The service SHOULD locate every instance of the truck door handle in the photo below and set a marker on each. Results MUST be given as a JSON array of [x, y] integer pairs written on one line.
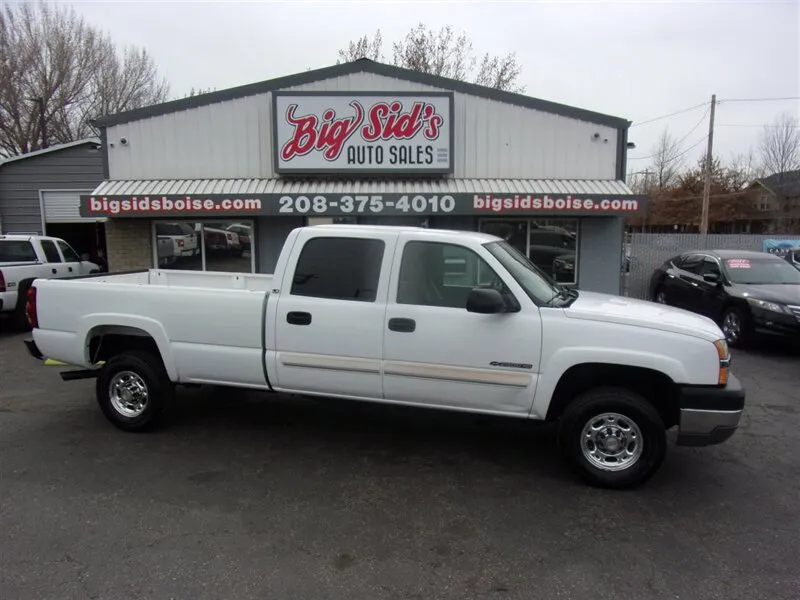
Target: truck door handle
[[70, 269], [402, 325], [55, 270], [298, 318]]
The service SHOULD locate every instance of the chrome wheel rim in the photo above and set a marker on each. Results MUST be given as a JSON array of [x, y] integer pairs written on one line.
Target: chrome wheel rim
[[611, 442], [732, 326], [661, 297], [128, 393]]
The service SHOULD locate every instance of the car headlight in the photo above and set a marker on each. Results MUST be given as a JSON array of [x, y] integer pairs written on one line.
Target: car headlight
[[773, 306]]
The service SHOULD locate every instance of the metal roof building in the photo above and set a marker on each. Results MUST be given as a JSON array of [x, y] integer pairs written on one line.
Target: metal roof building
[[362, 142]]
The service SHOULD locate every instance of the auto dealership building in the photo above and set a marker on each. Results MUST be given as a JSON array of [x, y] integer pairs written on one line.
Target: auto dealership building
[[217, 181]]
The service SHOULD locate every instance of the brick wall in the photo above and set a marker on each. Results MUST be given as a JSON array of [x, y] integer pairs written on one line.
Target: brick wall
[[128, 242]]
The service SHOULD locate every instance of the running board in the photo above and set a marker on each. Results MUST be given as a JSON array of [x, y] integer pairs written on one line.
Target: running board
[[80, 374]]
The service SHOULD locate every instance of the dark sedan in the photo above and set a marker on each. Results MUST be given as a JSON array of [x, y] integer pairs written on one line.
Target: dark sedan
[[744, 292]]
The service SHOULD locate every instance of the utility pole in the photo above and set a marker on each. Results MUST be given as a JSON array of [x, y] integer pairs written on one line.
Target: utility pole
[[707, 186]]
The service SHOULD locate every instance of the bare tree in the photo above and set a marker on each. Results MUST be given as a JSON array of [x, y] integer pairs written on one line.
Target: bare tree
[[744, 168], [780, 145], [52, 58], [362, 48], [667, 163], [441, 53]]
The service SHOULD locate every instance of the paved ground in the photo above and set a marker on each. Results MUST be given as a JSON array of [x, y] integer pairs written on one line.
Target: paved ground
[[242, 497]]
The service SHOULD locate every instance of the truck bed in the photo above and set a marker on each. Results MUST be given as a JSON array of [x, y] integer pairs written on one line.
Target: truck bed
[[207, 324]]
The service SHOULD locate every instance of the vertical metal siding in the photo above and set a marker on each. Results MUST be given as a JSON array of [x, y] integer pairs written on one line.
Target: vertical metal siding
[[234, 139], [79, 167]]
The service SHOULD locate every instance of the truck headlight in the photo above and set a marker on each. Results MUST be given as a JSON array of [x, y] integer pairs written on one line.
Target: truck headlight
[[724, 361], [772, 306]]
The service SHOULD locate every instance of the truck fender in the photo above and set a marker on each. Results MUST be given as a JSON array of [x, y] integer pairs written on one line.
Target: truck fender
[[150, 326], [557, 364]]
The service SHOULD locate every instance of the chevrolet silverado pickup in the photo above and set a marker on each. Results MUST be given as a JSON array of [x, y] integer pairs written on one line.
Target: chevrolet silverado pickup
[[24, 258], [449, 320]]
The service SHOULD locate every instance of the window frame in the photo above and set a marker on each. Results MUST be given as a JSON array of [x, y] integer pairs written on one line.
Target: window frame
[[544, 222], [290, 275], [507, 292], [60, 260], [59, 243], [191, 222]]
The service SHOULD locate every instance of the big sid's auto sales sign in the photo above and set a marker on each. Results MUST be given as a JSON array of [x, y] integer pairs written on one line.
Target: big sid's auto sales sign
[[361, 132]]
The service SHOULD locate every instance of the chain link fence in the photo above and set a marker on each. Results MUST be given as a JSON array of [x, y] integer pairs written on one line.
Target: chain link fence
[[647, 251]]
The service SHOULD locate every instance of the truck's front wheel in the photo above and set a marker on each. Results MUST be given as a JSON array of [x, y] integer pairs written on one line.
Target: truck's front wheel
[[132, 389], [614, 437]]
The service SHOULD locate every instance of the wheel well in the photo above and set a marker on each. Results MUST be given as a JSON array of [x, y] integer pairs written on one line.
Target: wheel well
[[109, 340], [655, 386]]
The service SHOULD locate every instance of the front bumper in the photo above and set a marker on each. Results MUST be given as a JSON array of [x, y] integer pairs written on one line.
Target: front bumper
[[770, 322], [710, 414]]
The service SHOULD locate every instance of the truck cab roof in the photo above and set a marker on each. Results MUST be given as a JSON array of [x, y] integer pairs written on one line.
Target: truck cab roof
[[481, 238]]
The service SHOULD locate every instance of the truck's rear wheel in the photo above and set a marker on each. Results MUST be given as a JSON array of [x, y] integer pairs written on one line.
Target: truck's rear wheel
[[132, 390], [614, 437]]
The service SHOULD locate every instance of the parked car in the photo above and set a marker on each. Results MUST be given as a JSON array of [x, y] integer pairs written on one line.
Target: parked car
[[24, 258], [372, 313], [245, 234], [183, 237], [220, 241], [746, 293]]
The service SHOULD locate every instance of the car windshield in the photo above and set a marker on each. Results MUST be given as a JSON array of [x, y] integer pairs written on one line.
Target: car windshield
[[539, 287], [16, 251], [761, 271]]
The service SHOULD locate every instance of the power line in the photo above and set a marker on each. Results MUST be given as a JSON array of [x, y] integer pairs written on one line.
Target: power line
[[692, 130], [692, 147], [759, 99], [752, 125], [677, 112]]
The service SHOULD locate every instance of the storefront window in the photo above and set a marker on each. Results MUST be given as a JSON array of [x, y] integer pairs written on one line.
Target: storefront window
[[205, 245], [550, 244]]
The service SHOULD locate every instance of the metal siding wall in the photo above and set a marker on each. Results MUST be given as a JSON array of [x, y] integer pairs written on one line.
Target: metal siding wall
[[79, 167], [270, 235], [64, 207], [649, 250], [600, 254], [233, 139]]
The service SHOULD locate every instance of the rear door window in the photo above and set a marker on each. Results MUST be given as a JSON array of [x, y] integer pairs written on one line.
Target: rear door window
[[51, 252], [16, 251]]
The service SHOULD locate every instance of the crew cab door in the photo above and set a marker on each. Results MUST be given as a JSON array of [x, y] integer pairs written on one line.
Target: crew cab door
[[55, 264], [438, 354], [329, 317]]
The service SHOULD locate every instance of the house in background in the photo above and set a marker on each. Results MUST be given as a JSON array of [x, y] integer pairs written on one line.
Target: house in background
[[40, 194], [776, 203]]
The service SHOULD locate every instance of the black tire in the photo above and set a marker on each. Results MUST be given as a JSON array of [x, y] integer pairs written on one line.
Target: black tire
[[633, 409], [731, 315], [20, 316], [657, 292], [145, 369]]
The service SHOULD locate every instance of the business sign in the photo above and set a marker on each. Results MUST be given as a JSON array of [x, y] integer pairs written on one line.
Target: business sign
[[362, 132], [780, 247], [355, 204]]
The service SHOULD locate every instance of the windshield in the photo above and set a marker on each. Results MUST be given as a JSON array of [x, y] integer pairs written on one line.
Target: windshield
[[539, 287], [16, 251], [761, 271]]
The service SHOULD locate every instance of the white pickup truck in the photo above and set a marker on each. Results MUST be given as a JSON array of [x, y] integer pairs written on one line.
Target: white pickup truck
[[25, 257], [409, 316]]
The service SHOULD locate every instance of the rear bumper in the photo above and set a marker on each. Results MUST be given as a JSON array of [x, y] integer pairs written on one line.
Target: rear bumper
[[710, 414], [33, 349]]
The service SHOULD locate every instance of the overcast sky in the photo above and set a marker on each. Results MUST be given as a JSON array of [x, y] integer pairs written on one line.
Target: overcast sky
[[638, 59]]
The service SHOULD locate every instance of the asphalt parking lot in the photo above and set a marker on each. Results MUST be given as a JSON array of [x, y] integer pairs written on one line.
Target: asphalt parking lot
[[244, 496]]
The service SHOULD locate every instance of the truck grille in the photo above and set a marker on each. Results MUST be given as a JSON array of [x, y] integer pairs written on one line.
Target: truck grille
[[795, 311]]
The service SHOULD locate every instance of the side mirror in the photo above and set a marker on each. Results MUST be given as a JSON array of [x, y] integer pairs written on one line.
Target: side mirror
[[711, 277], [485, 301]]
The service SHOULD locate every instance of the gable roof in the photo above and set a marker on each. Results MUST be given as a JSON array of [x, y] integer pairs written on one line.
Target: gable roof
[[56, 148], [783, 184], [362, 65]]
